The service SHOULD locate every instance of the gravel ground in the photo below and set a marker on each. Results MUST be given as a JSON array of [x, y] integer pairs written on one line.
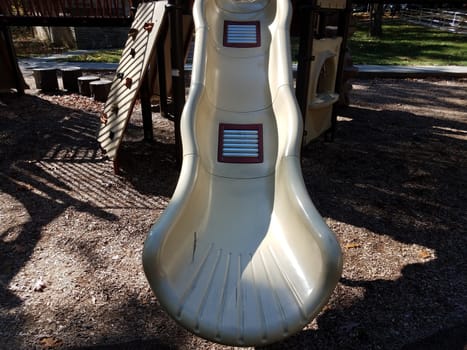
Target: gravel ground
[[392, 186]]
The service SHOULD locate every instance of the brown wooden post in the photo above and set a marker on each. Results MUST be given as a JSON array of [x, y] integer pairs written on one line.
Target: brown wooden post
[[43, 8], [61, 8], [92, 9], [19, 82], [145, 96], [161, 69], [178, 69], [343, 31], [66, 7], [124, 7], [305, 53]]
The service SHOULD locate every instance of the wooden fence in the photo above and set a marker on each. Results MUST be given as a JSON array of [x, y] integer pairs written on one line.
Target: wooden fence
[[453, 21], [66, 12]]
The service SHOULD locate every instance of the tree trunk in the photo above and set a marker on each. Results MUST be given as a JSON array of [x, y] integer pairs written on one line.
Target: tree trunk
[[376, 19], [60, 36]]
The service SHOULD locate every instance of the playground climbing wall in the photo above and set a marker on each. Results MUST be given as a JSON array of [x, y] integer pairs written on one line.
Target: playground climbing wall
[[133, 65]]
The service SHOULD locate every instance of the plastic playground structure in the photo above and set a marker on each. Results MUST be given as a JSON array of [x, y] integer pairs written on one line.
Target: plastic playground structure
[[241, 256]]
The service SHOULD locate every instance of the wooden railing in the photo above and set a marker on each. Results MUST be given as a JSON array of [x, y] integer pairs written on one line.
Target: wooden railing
[[47, 8], [453, 21], [63, 12]]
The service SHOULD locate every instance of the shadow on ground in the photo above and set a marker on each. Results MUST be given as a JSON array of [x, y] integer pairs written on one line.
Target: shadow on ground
[[50, 168], [397, 175]]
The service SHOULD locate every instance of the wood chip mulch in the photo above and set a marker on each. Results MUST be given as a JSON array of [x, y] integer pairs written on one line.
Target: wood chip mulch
[[392, 185]]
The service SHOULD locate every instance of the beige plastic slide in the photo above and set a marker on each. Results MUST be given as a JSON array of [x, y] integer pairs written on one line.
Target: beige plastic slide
[[241, 256]]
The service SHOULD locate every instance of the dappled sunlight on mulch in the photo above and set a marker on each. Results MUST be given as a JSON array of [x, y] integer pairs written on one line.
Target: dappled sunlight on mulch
[[392, 186]]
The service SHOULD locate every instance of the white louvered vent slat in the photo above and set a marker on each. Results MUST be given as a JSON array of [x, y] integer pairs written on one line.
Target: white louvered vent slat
[[240, 143], [238, 34], [241, 34]]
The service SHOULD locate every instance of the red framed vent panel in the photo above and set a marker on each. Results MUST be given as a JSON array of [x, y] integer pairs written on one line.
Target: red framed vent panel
[[240, 143], [242, 34]]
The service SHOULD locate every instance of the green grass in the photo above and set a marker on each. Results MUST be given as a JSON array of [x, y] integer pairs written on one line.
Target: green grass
[[401, 44], [103, 56], [408, 44]]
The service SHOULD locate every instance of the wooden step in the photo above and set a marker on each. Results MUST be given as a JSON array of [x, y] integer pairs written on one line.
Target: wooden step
[[46, 79], [100, 89], [83, 84], [70, 77]]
